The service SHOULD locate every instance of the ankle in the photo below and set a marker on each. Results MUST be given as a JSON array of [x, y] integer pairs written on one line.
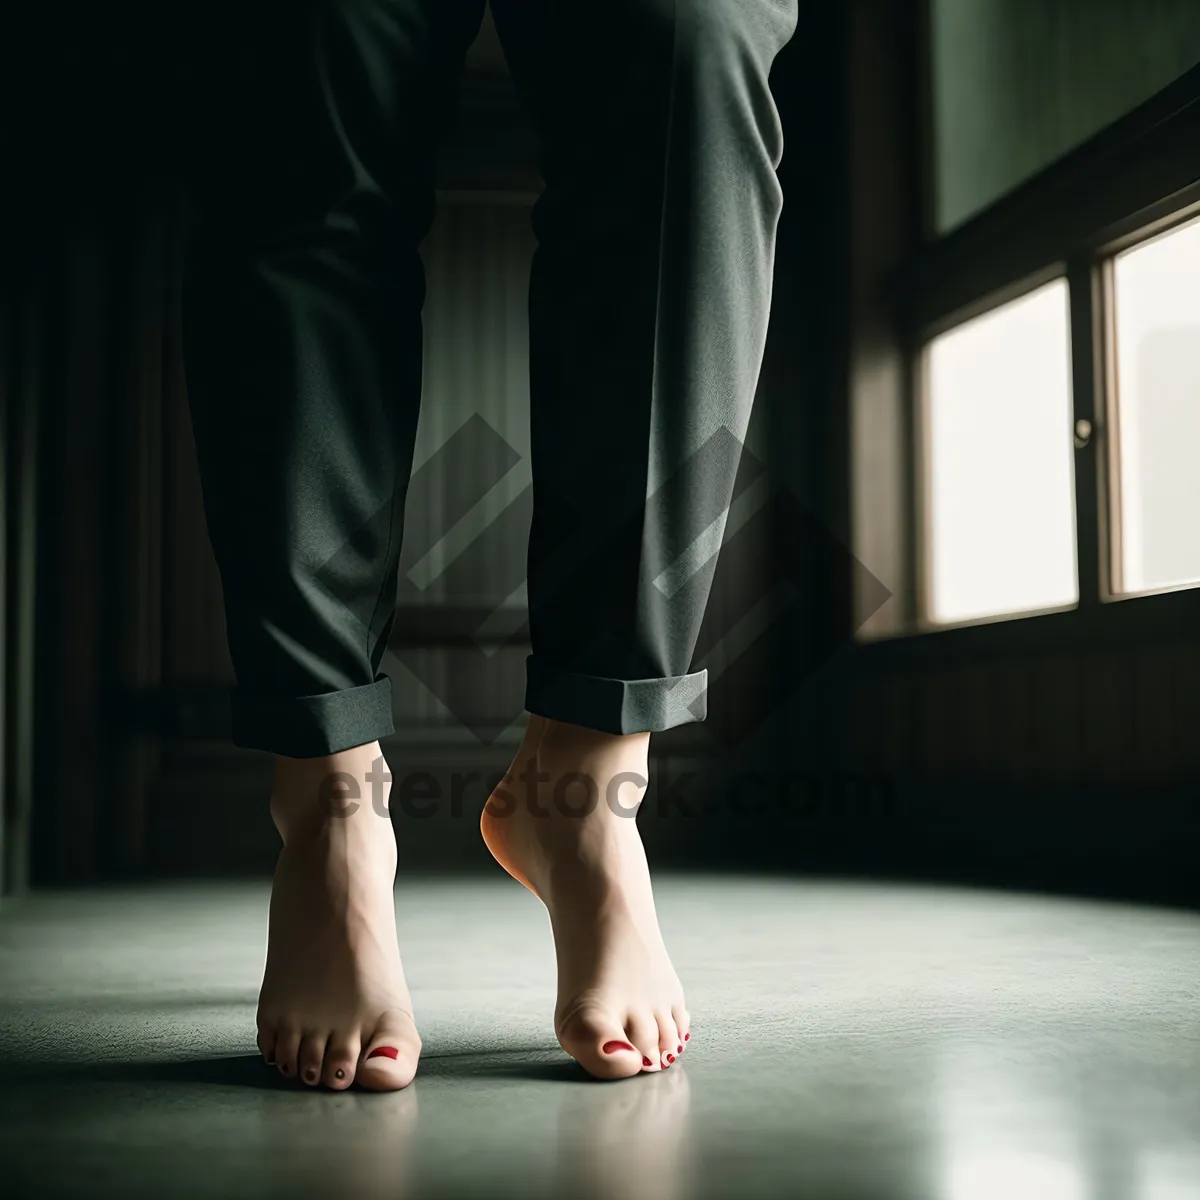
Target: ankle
[[589, 773], [309, 792], [561, 740]]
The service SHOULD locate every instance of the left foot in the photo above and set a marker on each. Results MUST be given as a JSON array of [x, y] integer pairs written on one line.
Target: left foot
[[620, 1006], [334, 1007]]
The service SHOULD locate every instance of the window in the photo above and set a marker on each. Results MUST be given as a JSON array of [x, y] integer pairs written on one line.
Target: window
[[1000, 494], [1156, 325], [1025, 360]]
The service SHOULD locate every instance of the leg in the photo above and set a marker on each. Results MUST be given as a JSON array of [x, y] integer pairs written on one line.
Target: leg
[[303, 338], [649, 304]]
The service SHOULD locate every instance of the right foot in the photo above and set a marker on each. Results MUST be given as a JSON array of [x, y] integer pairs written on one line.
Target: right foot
[[334, 1006], [620, 1008]]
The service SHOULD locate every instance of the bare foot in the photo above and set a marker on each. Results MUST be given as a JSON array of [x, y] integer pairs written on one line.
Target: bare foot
[[562, 823], [334, 1006]]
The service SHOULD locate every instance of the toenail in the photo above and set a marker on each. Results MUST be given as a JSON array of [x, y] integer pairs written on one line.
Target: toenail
[[646, 1062], [678, 1049], [286, 1069], [339, 1074], [686, 1036], [670, 1058], [310, 1075], [613, 1047], [385, 1052]]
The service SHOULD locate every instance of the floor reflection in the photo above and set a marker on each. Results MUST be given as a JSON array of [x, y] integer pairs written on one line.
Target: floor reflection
[[337, 1143], [627, 1139]]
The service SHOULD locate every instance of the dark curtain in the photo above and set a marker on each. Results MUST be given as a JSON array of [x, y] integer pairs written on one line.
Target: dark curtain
[[91, 311], [104, 107]]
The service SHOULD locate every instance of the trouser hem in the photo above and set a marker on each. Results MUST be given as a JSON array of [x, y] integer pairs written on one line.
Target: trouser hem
[[615, 705], [311, 726]]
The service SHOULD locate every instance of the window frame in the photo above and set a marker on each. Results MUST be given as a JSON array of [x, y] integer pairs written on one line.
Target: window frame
[[1137, 177]]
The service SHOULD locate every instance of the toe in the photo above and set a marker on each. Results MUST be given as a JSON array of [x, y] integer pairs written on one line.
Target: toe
[[311, 1057], [683, 1022], [389, 1060], [287, 1050], [599, 1045], [642, 1031], [266, 1043], [670, 1041], [341, 1058]]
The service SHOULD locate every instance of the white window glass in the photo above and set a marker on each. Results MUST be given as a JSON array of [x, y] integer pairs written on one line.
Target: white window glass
[[1157, 319], [1000, 446]]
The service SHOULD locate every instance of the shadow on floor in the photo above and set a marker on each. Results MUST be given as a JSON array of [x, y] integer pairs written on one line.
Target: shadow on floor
[[535, 1064]]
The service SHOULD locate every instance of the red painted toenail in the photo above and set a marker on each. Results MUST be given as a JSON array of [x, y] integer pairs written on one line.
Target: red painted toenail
[[310, 1075], [386, 1051], [678, 1049], [686, 1036], [646, 1062], [670, 1058], [613, 1047]]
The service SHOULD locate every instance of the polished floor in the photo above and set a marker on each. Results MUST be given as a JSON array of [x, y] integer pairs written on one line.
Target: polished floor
[[850, 1041]]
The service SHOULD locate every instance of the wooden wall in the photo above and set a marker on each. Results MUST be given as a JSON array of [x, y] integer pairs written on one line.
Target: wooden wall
[[1104, 718]]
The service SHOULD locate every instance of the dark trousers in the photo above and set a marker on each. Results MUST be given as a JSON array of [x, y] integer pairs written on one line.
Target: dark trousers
[[649, 299]]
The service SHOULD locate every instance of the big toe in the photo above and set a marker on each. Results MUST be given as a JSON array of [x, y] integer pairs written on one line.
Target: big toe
[[389, 1059], [599, 1044]]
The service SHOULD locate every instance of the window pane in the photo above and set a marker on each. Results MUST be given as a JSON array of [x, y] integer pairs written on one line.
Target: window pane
[[1016, 85], [1001, 482], [1158, 410]]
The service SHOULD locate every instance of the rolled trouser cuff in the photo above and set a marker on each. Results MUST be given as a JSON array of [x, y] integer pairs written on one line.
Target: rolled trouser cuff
[[615, 705], [310, 726]]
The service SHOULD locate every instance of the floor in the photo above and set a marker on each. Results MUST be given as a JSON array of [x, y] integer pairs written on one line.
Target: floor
[[850, 1041]]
